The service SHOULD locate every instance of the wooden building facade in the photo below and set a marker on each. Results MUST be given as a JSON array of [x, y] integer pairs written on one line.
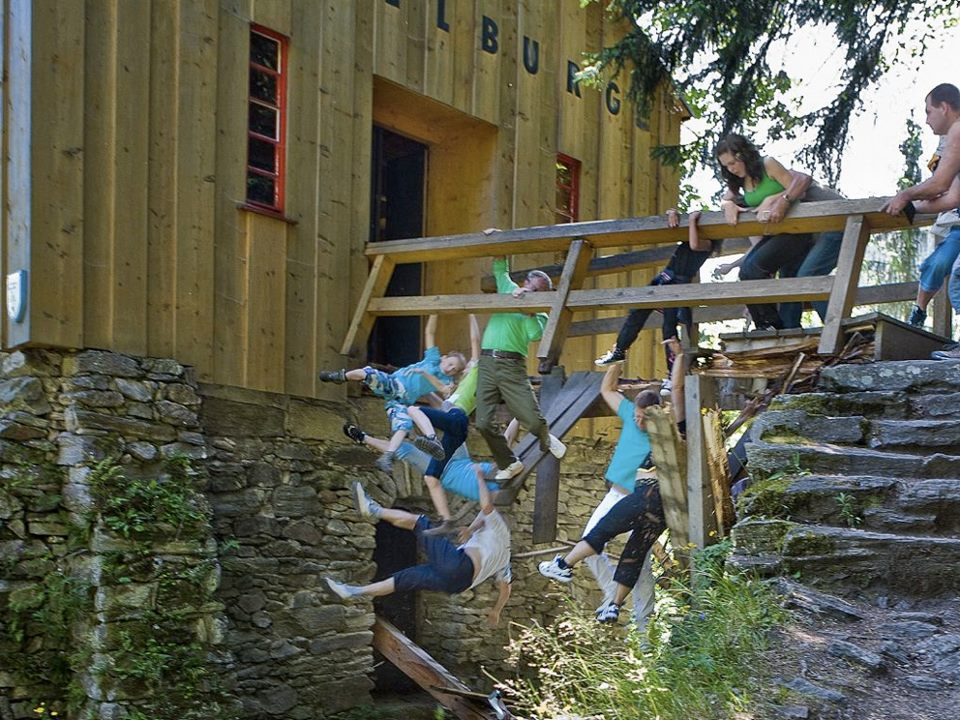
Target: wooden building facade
[[197, 179]]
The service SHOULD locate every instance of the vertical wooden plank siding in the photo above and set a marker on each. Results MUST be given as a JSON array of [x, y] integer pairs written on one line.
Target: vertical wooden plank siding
[[100, 181], [304, 187], [162, 196], [56, 141], [231, 261], [266, 250], [132, 92], [138, 169], [196, 130]]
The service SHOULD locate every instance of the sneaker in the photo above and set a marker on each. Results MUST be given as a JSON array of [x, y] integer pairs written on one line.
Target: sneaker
[[557, 448], [552, 569], [354, 433], [946, 354], [342, 590], [365, 505], [430, 445], [385, 462], [609, 613], [917, 316], [333, 376], [613, 356], [510, 471]]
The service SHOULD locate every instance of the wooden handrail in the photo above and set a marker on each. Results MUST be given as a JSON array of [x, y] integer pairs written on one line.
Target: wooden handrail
[[653, 230]]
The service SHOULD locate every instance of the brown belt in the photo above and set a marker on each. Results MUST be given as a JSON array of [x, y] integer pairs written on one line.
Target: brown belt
[[503, 354]]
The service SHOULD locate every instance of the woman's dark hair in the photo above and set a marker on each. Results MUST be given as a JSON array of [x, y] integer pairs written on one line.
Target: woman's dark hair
[[945, 93], [741, 149], [647, 398]]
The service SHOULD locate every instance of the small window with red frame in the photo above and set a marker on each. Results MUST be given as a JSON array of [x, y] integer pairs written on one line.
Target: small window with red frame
[[266, 119], [568, 190]]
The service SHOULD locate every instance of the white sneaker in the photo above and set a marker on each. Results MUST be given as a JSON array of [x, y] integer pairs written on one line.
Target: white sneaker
[[342, 590], [510, 471], [557, 448], [609, 613], [365, 505], [551, 569]]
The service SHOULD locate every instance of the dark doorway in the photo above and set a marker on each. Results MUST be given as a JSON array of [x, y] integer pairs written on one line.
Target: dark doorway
[[396, 212], [396, 549]]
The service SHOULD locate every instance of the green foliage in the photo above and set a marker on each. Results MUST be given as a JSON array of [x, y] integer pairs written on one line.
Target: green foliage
[[689, 664], [170, 504], [847, 504], [716, 56]]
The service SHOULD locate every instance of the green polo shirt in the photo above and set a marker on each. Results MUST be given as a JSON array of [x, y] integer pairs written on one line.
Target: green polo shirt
[[511, 331]]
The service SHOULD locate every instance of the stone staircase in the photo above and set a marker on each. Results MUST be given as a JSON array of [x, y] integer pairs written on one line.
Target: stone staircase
[[857, 487]]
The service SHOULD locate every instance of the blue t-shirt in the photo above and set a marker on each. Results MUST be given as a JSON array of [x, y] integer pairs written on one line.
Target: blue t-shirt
[[632, 449], [414, 384]]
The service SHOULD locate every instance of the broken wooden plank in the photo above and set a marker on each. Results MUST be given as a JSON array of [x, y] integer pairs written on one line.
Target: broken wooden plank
[[719, 470], [855, 238], [803, 218], [416, 663], [670, 458], [547, 493]]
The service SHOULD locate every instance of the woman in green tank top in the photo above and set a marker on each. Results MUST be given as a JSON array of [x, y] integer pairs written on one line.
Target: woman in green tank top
[[769, 188]]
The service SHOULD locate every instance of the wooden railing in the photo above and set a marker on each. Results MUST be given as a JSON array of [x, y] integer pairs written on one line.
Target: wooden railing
[[856, 218]]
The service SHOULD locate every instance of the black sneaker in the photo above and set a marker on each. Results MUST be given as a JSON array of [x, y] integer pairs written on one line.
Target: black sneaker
[[354, 433], [333, 376], [612, 356], [430, 445], [917, 316]]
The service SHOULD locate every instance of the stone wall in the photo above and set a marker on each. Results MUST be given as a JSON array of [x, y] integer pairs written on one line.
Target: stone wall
[[277, 472], [86, 587]]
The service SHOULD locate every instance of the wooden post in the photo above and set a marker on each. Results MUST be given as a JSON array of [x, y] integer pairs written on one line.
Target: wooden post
[[547, 494], [362, 321], [700, 393], [574, 272], [845, 282], [942, 315]]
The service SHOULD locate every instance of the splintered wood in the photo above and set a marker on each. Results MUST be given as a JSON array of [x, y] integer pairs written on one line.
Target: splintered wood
[[714, 436], [777, 361]]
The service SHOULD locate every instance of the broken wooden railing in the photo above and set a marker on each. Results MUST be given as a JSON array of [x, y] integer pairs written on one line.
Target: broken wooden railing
[[856, 218]]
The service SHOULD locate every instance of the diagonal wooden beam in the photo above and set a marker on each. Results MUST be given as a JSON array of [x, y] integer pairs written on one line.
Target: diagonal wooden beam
[[554, 335], [419, 666], [855, 238], [362, 322]]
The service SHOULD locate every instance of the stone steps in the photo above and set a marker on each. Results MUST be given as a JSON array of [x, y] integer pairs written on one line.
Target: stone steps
[[857, 486], [766, 458], [918, 506], [849, 559]]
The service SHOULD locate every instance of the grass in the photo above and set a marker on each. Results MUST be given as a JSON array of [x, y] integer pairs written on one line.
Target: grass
[[693, 661]]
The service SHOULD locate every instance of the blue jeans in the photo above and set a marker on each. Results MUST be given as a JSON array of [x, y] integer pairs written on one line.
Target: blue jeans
[[821, 260], [774, 253], [955, 281], [448, 568], [938, 264], [454, 424]]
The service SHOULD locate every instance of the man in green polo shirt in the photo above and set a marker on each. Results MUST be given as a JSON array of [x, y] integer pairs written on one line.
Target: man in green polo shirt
[[502, 372]]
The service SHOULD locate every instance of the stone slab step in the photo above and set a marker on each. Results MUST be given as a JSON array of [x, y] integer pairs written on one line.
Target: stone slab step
[[832, 459], [924, 376], [928, 507], [797, 425], [844, 558]]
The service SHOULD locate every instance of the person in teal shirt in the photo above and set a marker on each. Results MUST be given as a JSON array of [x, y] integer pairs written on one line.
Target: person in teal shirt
[[502, 372]]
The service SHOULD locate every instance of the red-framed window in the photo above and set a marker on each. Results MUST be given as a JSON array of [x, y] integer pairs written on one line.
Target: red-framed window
[[567, 208], [266, 119]]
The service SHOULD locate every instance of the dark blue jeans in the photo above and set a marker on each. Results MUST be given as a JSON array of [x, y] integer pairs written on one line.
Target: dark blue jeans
[[454, 424], [448, 568], [821, 260]]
